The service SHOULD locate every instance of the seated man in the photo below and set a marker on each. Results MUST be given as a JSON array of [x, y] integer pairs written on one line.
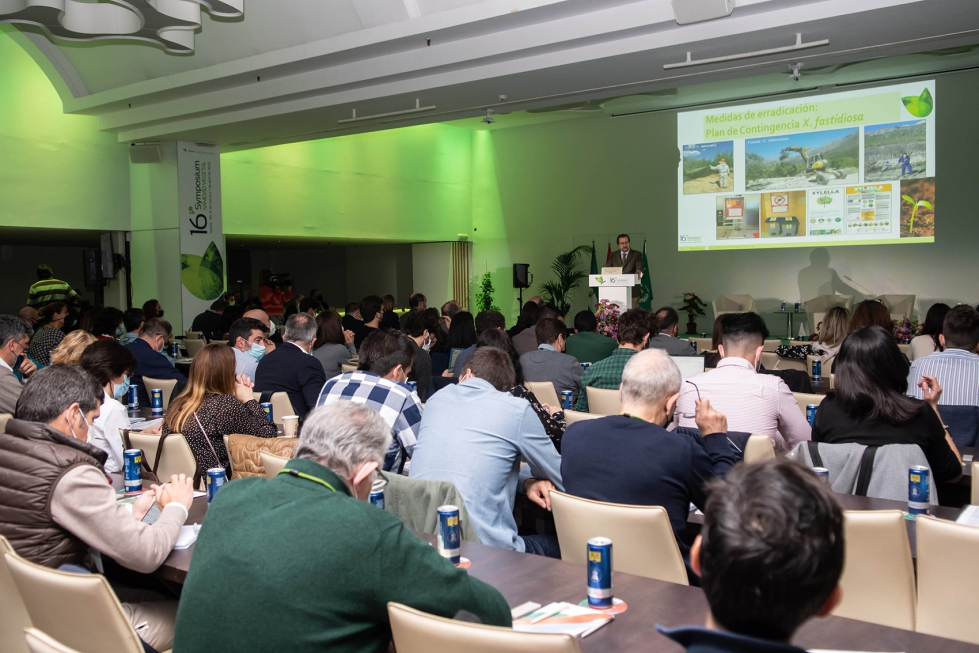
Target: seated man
[[372, 310], [475, 434], [752, 402], [291, 368], [133, 320], [632, 459], [421, 341], [635, 327], [526, 340], [322, 562], [770, 556], [56, 503], [417, 303], [149, 348], [247, 339], [587, 345], [351, 318], [485, 320], [209, 322], [380, 382], [956, 367], [669, 327], [548, 363], [15, 336]]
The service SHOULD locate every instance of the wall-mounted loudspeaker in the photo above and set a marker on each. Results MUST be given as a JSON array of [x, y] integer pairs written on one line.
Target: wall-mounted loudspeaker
[[697, 11], [92, 268], [520, 277], [145, 153]]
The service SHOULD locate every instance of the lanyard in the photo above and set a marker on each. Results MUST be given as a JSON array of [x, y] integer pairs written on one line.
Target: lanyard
[[308, 477], [631, 416]]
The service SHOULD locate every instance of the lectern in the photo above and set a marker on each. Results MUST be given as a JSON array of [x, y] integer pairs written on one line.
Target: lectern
[[617, 288]]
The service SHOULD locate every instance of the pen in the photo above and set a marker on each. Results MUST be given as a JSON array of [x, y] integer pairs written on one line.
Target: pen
[[597, 626], [550, 611]]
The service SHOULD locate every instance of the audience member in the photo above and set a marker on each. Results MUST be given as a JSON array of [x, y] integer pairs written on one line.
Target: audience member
[[475, 435], [69, 352], [390, 320], [323, 562], [263, 317], [712, 356], [15, 336], [57, 505], [869, 405], [632, 459], [152, 362], [292, 368], [274, 296], [88, 320], [291, 307], [927, 342], [231, 315], [317, 294], [871, 312], [421, 340], [151, 309], [635, 327], [462, 336], [668, 327], [485, 321], [247, 340], [752, 402], [334, 346], [770, 556], [352, 321], [253, 301], [48, 289], [310, 306], [209, 322], [956, 366], [109, 324], [214, 404], [832, 329], [30, 315], [50, 334], [587, 345], [526, 340], [449, 309], [549, 362], [132, 320], [372, 311], [110, 364], [526, 320], [416, 303], [435, 323], [380, 382]]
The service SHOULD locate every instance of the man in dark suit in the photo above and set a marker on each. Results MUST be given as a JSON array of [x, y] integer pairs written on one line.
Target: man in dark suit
[[209, 322], [291, 368], [416, 303], [629, 260], [666, 338], [152, 362]]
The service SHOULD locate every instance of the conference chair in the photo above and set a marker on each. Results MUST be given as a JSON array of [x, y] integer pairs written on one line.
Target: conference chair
[[38, 642], [817, 306], [733, 304], [771, 345], [281, 406], [4, 418], [219, 342], [878, 574], [772, 361], [805, 398], [193, 345], [947, 579], [898, 306], [165, 385], [13, 613], [975, 485], [603, 402], [176, 456], [79, 610], [417, 632], [572, 416], [273, 464], [643, 537], [193, 335], [545, 392], [904, 347], [758, 448], [348, 368]]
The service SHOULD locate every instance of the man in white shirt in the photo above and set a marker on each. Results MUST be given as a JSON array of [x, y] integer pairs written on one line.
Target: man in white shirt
[[957, 367], [722, 172], [15, 336], [247, 338]]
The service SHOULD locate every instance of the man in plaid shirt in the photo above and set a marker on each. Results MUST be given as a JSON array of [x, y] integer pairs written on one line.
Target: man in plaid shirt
[[381, 383], [634, 329]]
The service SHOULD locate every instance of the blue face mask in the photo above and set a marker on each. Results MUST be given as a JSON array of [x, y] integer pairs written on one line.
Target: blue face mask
[[257, 351], [122, 389], [120, 331]]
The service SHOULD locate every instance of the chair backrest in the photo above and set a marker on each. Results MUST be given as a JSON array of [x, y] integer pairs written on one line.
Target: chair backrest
[[603, 402], [963, 424], [193, 345], [878, 575], [642, 536], [38, 642], [769, 345], [193, 335], [817, 307], [4, 418], [273, 464], [703, 344], [219, 342], [832, 381], [975, 484], [733, 304], [13, 613], [258, 396], [281, 406], [947, 579], [899, 305], [545, 392], [805, 398], [773, 361], [572, 416], [348, 368], [177, 456], [245, 453], [759, 447], [416, 632], [166, 387], [79, 610]]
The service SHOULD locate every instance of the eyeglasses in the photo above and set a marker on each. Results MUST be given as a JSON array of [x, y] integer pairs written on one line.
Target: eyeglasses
[[694, 414]]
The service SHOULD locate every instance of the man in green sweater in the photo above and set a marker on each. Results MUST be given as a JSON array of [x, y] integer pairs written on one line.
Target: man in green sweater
[[587, 344], [303, 562]]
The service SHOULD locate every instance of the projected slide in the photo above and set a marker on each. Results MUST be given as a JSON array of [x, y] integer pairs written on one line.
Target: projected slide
[[851, 168]]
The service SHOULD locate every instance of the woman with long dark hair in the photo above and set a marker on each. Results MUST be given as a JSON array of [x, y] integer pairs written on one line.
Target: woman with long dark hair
[[927, 342], [462, 333], [870, 405], [333, 346], [527, 319]]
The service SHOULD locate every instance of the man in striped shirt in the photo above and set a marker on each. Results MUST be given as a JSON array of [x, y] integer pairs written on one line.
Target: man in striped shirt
[[49, 289], [957, 367]]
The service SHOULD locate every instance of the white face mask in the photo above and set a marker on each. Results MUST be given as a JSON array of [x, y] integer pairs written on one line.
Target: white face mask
[[427, 345], [88, 427]]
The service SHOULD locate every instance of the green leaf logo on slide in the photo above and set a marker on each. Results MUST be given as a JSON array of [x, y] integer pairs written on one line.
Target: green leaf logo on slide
[[920, 106], [203, 276]]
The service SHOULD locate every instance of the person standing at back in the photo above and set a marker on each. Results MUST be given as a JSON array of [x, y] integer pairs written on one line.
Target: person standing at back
[[669, 328], [587, 345], [292, 368], [956, 366], [48, 289]]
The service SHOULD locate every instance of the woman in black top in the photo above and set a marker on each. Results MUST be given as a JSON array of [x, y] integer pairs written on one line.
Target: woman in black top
[[870, 405]]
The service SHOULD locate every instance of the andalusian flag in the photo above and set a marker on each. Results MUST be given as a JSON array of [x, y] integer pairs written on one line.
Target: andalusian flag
[[646, 299], [594, 260]]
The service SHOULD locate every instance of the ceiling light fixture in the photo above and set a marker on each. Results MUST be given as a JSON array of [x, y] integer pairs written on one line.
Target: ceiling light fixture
[[796, 74], [418, 109], [489, 119]]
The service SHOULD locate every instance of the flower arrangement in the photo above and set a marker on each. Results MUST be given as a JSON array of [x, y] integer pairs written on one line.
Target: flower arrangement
[[904, 329], [608, 318]]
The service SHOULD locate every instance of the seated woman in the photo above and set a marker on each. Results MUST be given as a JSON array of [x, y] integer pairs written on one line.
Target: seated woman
[[69, 352], [712, 356], [870, 405], [111, 364], [333, 346], [927, 342], [216, 403], [49, 335], [871, 312], [832, 330]]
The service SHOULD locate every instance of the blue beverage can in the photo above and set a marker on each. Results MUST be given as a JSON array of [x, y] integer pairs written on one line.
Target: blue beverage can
[[267, 407], [817, 369], [132, 470], [783, 307], [585, 366], [703, 334], [377, 496], [156, 401], [200, 336], [449, 537], [413, 386], [600, 572], [134, 397], [918, 492], [215, 479], [822, 473], [811, 413], [693, 345], [175, 349], [797, 307], [566, 399]]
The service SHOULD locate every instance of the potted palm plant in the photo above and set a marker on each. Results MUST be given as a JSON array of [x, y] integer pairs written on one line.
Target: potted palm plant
[[692, 306], [569, 277]]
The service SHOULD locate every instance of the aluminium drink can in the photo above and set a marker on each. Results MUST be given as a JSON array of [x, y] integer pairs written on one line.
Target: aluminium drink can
[[822, 473], [600, 572], [918, 491], [585, 366], [156, 401], [817, 369], [413, 386], [175, 349], [267, 407], [811, 413], [566, 399], [783, 307], [215, 479], [693, 345], [134, 397], [377, 497], [132, 470], [797, 307], [449, 536]]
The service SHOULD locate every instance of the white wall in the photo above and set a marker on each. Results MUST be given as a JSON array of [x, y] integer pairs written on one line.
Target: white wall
[[432, 272]]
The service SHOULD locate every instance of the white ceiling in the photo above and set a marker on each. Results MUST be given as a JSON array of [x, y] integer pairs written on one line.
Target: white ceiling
[[290, 70]]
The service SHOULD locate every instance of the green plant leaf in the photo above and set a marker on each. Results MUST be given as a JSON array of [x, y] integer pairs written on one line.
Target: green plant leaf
[[907, 198], [920, 106], [926, 204], [203, 276]]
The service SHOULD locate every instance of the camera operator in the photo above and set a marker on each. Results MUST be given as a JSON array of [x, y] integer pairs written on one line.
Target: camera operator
[[275, 290]]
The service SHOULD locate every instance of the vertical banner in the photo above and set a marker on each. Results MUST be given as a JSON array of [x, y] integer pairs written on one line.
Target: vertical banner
[[202, 251]]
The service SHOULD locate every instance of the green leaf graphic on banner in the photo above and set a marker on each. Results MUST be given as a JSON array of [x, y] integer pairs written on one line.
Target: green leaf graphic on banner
[[920, 106], [203, 276]]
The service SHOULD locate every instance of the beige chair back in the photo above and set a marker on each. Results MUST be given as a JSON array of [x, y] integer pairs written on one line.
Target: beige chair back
[[38, 642], [832, 381], [257, 396], [348, 368], [4, 418], [878, 575], [642, 536], [773, 361], [806, 398], [703, 344], [177, 457], [572, 416], [603, 402], [193, 335], [273, 464], [13, 613], [545, 392], [166, 387], [416, 632], [193, 346], [975, 484], [281, 406], [817, 307], [898, 306], [904, 348], [733, 304], [79, 610], [770, 345], [947, 579], [219, 342], [759, 447]]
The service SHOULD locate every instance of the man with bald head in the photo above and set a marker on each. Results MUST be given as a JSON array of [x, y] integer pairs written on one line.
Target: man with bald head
[[263, 317], [29, 315]]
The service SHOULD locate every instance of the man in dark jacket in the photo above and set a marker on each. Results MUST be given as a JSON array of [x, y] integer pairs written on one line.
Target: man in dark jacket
[[209, 322], [291, 368], [153, 363]]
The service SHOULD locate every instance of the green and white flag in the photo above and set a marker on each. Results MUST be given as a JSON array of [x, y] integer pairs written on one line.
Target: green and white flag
[[646, 299]]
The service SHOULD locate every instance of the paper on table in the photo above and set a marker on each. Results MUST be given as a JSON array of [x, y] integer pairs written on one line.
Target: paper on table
[[198, 494], [187, 537], [969, 516], [144, 424], [822, 650], [572, 620]]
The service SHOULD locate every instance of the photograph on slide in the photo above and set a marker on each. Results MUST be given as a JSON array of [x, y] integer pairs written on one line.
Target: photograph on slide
[[783, 214], [737, 216], [802, 160], [708, 167], [918, 208], [895, 151]]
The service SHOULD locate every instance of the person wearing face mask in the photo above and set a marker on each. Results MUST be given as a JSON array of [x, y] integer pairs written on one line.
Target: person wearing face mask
[[292, 368], [632, 459], [109, 324], [753, 402], [246, 337], [111, 364], [56, 506], [334, 345], [273, 337], [50, 333], [421, 340], [152, 362], [15, 336]]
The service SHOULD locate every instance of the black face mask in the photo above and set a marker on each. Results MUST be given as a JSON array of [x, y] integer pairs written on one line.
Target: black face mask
[[19, 362], [160, 314]]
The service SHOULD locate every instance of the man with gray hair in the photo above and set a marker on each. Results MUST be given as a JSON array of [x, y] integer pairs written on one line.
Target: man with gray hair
[[292, 368], [632, 459], [15, 336], [322, 562]]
